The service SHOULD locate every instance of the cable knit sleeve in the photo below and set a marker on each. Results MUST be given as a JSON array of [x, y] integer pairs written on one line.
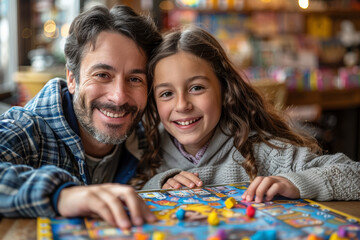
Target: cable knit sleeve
[[323, 178], [159, 179]]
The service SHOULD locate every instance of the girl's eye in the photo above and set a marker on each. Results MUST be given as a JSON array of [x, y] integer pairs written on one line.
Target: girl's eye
[[165, 94], [196, 88]]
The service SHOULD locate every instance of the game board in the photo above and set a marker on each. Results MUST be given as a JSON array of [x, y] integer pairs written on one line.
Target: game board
[[289, 219]]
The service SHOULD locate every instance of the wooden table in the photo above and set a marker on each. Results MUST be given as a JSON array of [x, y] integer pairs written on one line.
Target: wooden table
[[25, 229]]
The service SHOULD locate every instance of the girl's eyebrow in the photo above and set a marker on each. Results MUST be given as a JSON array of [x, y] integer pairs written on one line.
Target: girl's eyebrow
[[162, 85], [189, 80]]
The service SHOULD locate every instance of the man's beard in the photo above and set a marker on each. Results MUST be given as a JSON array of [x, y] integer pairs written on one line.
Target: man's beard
[[84, 116]]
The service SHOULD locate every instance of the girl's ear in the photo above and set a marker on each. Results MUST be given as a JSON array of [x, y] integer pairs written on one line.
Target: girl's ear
[[71, 82]]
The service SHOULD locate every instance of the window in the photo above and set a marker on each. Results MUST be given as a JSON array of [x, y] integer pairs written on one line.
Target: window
[[8, 44]]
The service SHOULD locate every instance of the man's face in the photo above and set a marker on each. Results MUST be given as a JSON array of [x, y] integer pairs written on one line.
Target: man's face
[[112, 93]]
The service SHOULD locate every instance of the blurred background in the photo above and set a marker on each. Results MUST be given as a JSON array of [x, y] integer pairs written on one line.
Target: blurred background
[[302, 55]]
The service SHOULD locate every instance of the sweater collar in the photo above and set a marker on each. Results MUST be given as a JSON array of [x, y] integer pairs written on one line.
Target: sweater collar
[[220, 144]]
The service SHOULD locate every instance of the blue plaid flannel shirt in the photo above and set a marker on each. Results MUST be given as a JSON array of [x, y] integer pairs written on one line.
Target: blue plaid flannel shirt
[[40, 152]]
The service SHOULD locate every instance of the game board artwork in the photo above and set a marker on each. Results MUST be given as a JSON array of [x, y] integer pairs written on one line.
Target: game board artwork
[[202, 214]]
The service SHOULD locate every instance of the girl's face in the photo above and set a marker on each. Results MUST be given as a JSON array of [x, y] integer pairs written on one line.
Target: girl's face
[[188, 99]]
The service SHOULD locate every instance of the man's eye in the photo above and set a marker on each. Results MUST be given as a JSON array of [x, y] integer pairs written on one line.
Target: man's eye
[[102, 75], [135, 79]]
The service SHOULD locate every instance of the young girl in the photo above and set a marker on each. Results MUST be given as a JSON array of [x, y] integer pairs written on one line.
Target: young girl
[[217, 129]]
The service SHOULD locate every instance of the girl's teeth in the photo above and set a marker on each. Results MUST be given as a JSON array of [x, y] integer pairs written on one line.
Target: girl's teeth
[[187, 122]]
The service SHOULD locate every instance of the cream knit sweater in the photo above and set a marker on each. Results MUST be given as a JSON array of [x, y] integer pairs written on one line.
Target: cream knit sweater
[[325, 177]]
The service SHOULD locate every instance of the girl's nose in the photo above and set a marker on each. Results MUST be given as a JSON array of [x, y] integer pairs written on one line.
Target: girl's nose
[[183, 104]]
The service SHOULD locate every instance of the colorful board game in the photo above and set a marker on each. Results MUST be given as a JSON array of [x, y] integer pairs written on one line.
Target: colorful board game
[[279, 219]]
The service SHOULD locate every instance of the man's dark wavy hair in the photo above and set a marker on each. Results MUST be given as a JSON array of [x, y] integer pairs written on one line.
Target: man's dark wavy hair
[[120, 19]]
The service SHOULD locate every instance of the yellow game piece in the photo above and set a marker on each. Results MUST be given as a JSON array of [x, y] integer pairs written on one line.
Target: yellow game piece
[[213, 218], [335, 236], [230, 202], [158, 235]]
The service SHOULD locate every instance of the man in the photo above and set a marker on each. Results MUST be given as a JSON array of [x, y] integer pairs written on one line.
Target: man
[[71, 134]]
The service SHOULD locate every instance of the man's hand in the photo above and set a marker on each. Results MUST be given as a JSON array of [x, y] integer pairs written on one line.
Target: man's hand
[[269, 187], [107, 201], [184, 178]]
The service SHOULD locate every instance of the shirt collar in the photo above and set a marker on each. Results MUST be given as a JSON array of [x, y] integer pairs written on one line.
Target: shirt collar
[[194, 159]]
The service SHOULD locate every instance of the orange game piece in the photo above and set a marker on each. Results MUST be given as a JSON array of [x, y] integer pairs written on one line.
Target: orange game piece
[[313, 237], [213, 238], [250, 211], [140, 236]]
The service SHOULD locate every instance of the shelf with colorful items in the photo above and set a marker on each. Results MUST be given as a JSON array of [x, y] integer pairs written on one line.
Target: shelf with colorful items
[[177, 12], [267, 38], [310, 79], [332, 6], [327, 88]]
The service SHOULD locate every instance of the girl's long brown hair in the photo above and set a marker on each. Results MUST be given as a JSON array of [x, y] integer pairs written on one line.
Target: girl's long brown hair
[[243, 108]]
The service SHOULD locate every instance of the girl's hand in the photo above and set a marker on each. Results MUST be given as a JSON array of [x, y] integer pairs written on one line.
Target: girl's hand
[[186, 179], [269, 187]]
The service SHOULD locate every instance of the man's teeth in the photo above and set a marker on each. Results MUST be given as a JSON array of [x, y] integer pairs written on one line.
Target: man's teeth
[[113, 115], [187, 122]]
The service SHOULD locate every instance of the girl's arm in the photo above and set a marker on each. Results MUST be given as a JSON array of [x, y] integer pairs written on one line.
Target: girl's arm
[[323, 178], [327, 177]]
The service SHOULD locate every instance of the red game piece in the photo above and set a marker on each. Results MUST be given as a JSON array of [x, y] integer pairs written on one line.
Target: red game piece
[[250, 211]]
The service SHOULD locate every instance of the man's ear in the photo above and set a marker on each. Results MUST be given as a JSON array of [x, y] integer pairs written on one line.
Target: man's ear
[[71, 82]]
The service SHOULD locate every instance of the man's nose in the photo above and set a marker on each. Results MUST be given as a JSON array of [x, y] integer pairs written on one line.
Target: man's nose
[[118, 92]]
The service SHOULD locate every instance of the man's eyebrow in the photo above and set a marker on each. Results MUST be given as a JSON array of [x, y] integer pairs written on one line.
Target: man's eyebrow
[[102, 66], [138, 70], [111, 68]]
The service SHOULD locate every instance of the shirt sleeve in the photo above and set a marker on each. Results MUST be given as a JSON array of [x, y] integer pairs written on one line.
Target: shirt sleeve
[[31, 169], [321, 177], [26, 192]]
